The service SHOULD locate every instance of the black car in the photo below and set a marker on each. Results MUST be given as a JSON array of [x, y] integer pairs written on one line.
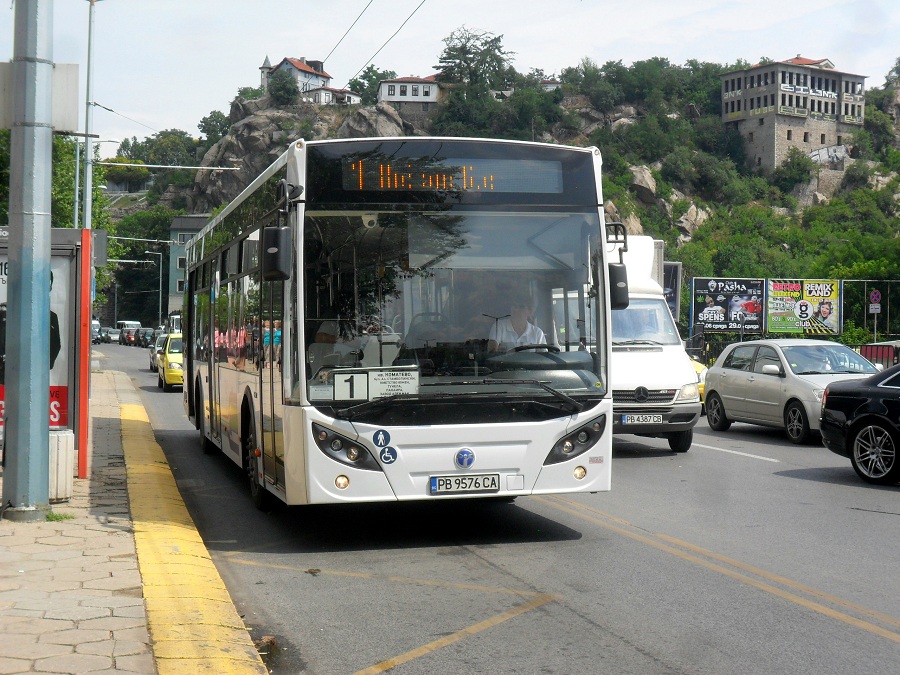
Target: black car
[[861, 420]]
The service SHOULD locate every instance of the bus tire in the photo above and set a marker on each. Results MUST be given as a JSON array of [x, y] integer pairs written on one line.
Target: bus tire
[[206, 445], [258, 493]]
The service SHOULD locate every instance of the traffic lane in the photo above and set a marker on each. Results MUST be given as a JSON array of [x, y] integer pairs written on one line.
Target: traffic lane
[[796, 511], [272, 580]]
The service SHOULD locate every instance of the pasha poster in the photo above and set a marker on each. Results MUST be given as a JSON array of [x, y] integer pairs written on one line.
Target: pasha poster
[[727, 305], [58, 329], [808, 306]]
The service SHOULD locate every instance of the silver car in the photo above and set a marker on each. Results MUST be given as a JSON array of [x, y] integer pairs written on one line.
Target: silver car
[[778, 383], [154, 351]]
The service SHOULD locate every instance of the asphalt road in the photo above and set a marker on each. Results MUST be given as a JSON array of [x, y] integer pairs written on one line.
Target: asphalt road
[[745, 555]]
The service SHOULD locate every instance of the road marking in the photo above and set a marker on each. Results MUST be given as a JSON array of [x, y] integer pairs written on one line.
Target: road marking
[[667, 544], [537, 600], [495, 620], [735, 452]]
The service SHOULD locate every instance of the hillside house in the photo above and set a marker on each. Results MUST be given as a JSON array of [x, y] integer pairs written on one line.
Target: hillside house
[[801, 103], [308, 74]]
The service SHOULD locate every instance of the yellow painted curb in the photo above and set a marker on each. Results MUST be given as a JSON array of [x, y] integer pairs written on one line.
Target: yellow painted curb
[[193, 622]]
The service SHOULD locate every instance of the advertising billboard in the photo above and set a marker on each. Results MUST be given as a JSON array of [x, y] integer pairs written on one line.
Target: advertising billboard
[[58, 357], [808, 306], [726, 305]]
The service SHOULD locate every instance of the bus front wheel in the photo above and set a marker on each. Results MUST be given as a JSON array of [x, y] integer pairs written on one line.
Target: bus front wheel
[[258, 493]]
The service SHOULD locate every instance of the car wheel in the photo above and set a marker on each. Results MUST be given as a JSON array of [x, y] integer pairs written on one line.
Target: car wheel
[[680, 441], [874, 454], [715, 413], [795, 423]]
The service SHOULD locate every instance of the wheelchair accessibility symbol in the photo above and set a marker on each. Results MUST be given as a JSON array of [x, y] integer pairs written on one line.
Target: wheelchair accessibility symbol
[[388, 455]]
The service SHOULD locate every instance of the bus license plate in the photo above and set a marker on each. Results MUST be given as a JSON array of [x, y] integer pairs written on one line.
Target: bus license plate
[[441, 485], [642, 419]]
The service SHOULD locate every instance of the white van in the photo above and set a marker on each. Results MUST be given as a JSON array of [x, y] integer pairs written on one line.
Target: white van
[[122, 325], [655, 387]]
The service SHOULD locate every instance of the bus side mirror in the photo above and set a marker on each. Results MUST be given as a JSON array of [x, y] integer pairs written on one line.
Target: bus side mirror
[[276, 253], [618, 286]]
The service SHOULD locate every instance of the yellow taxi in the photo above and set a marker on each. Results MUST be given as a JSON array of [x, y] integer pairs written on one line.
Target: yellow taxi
[[701, 378], [169, 362]]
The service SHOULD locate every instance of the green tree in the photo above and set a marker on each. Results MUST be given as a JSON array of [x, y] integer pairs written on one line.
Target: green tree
[[366, 85], [214, 126], [133, 176], [797, 168], [475, 59], [251, 93], [283, 88]]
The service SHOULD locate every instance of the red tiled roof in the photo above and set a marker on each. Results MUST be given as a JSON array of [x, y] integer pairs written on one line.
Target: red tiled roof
[[431, 79], [305, 67]]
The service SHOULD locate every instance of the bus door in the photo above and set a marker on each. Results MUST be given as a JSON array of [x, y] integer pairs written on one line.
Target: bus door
[[272, 331], [219, 317]]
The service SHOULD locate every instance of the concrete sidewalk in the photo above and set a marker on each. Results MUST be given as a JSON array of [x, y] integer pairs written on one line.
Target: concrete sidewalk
[[120, 580]]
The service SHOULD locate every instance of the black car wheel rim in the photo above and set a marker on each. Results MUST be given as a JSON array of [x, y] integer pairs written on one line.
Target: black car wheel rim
[[874, 451]]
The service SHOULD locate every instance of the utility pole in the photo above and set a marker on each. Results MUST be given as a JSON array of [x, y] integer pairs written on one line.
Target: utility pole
[[26, 476]]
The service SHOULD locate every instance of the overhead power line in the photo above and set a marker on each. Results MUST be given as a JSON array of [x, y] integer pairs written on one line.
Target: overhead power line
[[371, 58], [348, 30]]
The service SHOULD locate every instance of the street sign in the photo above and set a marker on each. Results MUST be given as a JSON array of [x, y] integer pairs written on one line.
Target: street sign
[[875, 296], [875, 308]]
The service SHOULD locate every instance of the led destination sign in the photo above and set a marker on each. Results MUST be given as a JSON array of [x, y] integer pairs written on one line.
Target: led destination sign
[[451, 175]]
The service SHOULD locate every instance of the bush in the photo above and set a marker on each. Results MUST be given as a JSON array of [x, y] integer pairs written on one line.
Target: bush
[[283, 88]]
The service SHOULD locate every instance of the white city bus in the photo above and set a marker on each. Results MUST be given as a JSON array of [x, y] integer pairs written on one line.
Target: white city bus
[[340, 314]]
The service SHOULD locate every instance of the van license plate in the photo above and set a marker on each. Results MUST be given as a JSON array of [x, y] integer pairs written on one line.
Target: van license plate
[[441, 485], [642, 419]]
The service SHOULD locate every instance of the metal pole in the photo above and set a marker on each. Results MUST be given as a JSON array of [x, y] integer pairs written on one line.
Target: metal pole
[[159, 253], [88, 120], [77, 185], [26, 475]]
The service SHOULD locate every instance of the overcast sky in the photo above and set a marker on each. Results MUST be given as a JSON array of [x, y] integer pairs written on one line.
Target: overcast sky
[[165, 64]]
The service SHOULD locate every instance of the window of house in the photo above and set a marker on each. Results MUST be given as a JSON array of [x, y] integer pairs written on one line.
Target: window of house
[[182, 262], [425, 107], [822, 141], [806, 137], [403, 90], [183, 237], [426, 90], [179, 285], [415, 90], [790, 135], [761, 121], [750, 137], [784, 99], [391, 90], [840, 140]]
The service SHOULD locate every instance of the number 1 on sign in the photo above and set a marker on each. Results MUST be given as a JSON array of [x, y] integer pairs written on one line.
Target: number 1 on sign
[[351, 387]]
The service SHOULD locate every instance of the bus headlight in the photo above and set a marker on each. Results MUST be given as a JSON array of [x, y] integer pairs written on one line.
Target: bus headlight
[[344, 450], [577, 442]]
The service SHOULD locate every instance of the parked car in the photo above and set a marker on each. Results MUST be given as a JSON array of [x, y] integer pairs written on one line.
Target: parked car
[[861, 420], [169, 362], [112, 335], [95, 332], [154, 351], [778, 383]]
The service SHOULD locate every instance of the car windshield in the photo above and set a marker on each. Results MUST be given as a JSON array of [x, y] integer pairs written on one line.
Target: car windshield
[[645, 321], [826, 360], [175, 346]]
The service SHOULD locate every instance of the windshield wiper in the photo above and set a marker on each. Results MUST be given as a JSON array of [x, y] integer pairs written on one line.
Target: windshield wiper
[[574, 405], [378, 403], [375, 404], [637, 342]]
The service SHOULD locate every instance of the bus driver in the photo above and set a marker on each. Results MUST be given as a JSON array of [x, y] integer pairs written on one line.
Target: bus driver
[[516, 329]]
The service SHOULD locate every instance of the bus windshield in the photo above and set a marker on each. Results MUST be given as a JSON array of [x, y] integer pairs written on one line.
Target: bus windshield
[[419, 302]]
